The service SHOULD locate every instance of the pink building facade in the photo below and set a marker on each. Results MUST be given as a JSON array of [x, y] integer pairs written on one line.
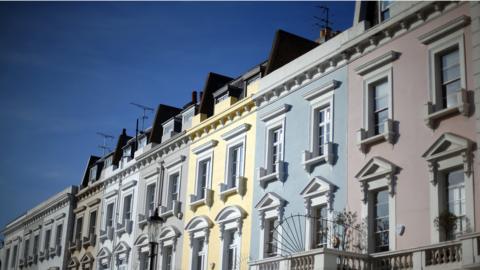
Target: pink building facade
[[413, 127]]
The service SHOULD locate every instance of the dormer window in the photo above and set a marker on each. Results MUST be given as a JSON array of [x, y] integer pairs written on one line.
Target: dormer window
[[251, 80], [127, 153], [142, 142], [108, 161], [187, 118], [171, 127], [93, 173], [226, 92]]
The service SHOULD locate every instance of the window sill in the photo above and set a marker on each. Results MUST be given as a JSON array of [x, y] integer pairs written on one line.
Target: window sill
[[462, 108], [142, 220], [227, 191], [309, 161], [125, 227], [107, 234], [89, 241], [197, 202], [174, 210], [266, 175], [364, 141], [76, 245]]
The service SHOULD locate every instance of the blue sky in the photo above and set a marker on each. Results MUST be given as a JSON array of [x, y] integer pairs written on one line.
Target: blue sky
[[70, 69]]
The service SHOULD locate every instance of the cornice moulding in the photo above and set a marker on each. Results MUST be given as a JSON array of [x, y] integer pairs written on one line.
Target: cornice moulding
[[444, 29], [175, 161], [377, 62], [275, 112], [204, 147], [321, 90], [93, 202], [130, 184], [236, 131]]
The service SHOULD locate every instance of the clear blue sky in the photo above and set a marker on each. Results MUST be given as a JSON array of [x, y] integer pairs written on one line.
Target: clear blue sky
[[68, 70]]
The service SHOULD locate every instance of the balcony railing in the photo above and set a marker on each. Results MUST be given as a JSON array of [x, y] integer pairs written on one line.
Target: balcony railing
[[457, 254], [197, 200]]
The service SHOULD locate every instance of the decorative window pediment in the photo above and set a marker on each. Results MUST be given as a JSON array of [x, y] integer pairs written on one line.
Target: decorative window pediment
[[198, 223], [448, 146], [318, 187], [376, 167], [142, 240], [199, 227], [121, 248], [231, 217], [377, 172], [73, 263], [87, 259], [168, 236], [269, 201], [104, 253]]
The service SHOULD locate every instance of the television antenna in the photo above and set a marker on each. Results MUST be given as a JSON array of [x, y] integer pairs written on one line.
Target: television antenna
[[144, 116], [324, 21], [104, 147]]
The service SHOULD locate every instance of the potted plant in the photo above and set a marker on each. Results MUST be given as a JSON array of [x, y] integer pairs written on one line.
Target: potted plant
[[446, 223]]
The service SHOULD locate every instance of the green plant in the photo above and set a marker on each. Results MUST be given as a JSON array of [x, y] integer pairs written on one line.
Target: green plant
[[446, 221]]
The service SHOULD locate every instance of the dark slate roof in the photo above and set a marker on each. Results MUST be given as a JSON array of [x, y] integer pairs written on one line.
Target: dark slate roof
[[214, 82], [164, 112], [91, 161], [122, 141], [285, 48]]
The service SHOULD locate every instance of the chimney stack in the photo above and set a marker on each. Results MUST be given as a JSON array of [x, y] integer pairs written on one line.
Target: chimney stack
[[194, 97]]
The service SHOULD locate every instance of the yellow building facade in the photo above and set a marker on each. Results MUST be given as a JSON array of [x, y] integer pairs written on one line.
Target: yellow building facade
[[220, 185]]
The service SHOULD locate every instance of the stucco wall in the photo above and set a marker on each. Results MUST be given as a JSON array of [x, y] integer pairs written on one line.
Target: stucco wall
[[297, 139], [410, 93]]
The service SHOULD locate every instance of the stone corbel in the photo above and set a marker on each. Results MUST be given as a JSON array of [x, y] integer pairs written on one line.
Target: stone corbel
[[239, 226], [391, 183], [308, 206], [262, 220], [207, 234], [222, 230], [330, 199], [433, 169], [364, 186], [467, 162]]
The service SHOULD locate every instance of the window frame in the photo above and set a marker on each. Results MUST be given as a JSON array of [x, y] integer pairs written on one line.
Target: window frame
[[270, 206], [95, 226], [238, 142], [108, 202], [78, 234], [131, 210], [435, 49], [369, 80]]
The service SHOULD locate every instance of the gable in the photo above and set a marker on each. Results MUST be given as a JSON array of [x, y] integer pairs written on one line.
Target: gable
[[270, 200], [169, 232], [317, 186], [198, 223], [87, 258], [447, 144], [122, 247], [141, 240], [376, 167], [104, 252]]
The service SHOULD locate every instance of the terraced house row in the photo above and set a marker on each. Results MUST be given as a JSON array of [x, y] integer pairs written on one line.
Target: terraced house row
[[355, 151]]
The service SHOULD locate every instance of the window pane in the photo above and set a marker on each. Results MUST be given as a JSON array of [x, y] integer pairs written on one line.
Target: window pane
[[381, 220]]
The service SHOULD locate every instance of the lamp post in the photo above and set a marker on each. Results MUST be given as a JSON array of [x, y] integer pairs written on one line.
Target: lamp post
[[154, 223]]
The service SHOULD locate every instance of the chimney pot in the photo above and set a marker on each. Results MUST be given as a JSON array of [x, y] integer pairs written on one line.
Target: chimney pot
[[194, 97]]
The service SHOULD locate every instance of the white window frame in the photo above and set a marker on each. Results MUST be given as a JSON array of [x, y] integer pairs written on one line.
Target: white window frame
[[124, 195], [234, 138], [146, 203], [82, 216], [458, 154], [168, 238], [203, 152], [199, 227], [96, 220], [56, 233], [230, 219], [174, 171], [187, 117], [319, 98], [142, 246], [114, 219], [151, 177], [270, 206], [318, 192], [274, 119], [372, 181], [434, 107]]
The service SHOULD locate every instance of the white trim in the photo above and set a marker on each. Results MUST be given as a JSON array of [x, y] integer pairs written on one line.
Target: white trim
[[236, 131], [151, 172], [450, 151], [444, 30], [281, 110], [320, 91], [175, 161], [376, 63], [204, 147], [130, 184], [271, 205]]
